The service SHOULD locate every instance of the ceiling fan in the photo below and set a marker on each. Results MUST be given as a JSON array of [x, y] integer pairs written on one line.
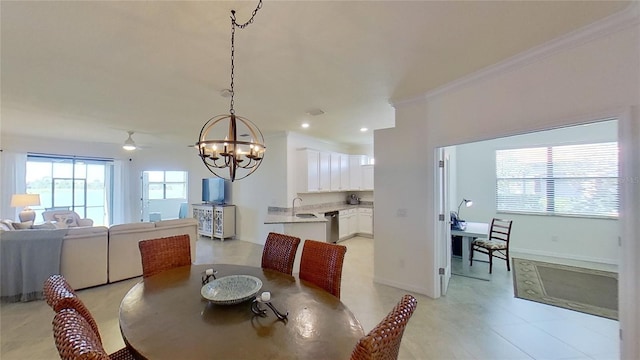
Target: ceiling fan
[[129, 144]]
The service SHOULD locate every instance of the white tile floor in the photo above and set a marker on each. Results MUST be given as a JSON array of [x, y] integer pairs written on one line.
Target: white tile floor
[[476, 320]]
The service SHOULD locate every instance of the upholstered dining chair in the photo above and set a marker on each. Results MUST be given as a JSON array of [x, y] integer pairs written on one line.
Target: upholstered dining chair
[[60, 295], [164, 253], [75, 339], [279, 252], [497, 243], [321, 264], [383, 342]]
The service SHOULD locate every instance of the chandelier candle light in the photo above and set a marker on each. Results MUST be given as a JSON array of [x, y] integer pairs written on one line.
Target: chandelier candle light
[[219, 146]]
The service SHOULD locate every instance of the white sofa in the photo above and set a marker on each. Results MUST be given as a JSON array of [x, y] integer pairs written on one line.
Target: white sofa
[[96, 255], [124, 254], [84, 256]]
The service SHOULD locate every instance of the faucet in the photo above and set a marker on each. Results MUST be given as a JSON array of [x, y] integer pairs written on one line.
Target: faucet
[[293, 205]]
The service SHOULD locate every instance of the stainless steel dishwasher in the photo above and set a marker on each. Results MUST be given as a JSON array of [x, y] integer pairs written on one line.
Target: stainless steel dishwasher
[[332, 226]]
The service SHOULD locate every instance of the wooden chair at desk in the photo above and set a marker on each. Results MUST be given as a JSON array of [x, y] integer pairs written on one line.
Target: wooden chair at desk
[[497, 244]]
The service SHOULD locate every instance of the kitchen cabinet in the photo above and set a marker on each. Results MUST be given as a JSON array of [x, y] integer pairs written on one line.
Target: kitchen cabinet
[[355, 171], [347, 223], [215, 221], [367, 177], [365, 221], [339, 172], [315, 171]]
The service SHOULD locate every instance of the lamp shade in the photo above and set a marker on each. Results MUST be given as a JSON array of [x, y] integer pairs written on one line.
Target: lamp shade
[[23, 200]]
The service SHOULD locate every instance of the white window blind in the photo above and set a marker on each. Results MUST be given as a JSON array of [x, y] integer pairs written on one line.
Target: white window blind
[[577, 180]]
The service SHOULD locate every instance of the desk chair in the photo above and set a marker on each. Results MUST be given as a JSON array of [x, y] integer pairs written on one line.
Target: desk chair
[[497, 244]]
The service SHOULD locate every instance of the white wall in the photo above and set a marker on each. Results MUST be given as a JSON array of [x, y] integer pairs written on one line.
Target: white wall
[[584, 239], [582, 78], [266, 187]]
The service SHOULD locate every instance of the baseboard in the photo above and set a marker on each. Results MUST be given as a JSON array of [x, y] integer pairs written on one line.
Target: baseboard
[[402, 286]]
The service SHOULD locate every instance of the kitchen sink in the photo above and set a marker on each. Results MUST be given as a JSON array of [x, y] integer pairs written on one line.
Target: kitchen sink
[[306, 215]]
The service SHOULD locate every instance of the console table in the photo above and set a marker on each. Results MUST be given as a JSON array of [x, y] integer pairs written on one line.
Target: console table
[[215, 221]]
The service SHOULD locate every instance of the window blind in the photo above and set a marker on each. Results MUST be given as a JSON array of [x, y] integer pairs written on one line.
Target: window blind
[[576, 180]]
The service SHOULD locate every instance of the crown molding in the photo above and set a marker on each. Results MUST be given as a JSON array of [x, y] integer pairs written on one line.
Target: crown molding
[[621, 20]]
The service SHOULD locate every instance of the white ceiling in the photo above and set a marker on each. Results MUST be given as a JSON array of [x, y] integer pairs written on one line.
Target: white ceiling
[[95, 69]]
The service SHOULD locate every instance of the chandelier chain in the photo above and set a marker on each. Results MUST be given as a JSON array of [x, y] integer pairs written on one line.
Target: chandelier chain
[[234, 24]]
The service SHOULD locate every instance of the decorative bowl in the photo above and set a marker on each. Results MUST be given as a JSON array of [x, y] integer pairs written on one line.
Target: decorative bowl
[[232, 289]]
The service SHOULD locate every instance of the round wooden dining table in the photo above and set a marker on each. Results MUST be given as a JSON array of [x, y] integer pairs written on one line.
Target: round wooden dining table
[[165, 317]]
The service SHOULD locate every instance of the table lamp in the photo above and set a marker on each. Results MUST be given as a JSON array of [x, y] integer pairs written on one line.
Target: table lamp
[[467, 203], [25, 200]]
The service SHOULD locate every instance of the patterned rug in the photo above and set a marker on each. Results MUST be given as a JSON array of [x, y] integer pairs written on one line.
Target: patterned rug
[[586, 290]]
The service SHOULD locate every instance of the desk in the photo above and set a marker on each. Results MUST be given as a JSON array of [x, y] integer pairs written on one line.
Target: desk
[[473, 230], [165, 317]]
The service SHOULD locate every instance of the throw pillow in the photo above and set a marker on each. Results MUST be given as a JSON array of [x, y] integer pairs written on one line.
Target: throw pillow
[[67, 219], [59, 225], [22, 225], [6, 225]]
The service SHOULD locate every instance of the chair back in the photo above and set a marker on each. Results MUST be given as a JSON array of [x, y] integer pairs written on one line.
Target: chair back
[[164, 253], [321, 264], [60, 295], [74, 337], [279, 252], [500, 230], [383, 342]]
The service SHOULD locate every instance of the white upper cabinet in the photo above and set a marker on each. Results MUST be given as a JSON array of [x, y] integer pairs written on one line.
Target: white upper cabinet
[[355, 171], [325, 172], [339, 172], [367, 177], [322, 171], [308, 173]]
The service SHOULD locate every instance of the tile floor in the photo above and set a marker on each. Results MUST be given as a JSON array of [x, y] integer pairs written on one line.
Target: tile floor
[[475, 320]]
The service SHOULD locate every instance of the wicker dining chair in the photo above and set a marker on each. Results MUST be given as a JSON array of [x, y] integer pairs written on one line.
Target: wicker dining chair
[[383, 342], [279, 252], [321, 264], [75, 339], [164, 253], [60, 295], [497, 245]]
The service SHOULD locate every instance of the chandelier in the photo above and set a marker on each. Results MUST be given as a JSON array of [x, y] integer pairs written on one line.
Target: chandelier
[[231, 146]]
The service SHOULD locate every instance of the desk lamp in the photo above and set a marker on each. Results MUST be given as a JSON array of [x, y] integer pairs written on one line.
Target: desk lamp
[[467, 203]]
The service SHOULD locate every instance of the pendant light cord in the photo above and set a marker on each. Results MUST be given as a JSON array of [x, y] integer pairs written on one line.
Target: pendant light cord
[[234, 24]]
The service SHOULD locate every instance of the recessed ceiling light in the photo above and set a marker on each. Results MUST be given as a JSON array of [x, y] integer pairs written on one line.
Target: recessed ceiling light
[[363, 129], [305, 125]]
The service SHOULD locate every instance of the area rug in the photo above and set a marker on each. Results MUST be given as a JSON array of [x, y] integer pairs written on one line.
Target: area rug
[[586, 290]]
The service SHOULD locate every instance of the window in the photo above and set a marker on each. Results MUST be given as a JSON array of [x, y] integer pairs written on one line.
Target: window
[[78, 184], [575, 180], [167, 184]]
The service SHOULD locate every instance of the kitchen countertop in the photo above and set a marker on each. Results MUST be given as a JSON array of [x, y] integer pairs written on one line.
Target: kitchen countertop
[[283, 215]]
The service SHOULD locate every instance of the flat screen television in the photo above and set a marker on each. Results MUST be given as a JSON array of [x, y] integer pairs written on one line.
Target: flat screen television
[[213, 191]]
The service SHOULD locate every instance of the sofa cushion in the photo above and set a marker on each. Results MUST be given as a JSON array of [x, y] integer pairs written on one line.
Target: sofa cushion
[[175, 222], [22, 225], [68, 219], [141, 226]]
